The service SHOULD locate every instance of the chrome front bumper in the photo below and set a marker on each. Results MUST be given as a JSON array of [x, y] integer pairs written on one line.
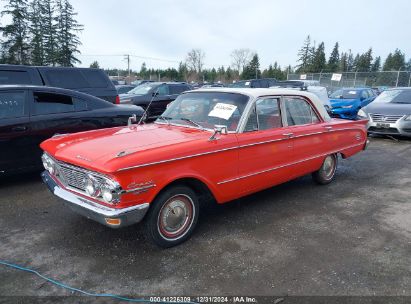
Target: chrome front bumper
[[97, 212]]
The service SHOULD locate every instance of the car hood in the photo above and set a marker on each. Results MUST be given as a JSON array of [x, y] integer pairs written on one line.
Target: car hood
[[342, 102], [389, 108], [109, 150]]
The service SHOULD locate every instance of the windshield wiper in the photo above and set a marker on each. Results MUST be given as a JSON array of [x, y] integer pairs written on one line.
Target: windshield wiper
[[166, 119], [192, 122]]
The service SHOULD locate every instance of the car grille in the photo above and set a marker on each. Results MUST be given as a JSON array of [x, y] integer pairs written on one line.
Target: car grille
[[74, 177], [385, 118]]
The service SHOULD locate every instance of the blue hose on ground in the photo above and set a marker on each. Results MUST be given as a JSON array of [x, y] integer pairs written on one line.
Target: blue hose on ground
[[100, 295]]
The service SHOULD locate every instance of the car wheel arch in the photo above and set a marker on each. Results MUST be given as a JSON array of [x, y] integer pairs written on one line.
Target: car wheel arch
[[200, 187]]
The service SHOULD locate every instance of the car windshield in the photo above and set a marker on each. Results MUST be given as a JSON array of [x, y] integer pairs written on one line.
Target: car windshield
[[346, 94], [204, 110], [142, 89], [394, 96]]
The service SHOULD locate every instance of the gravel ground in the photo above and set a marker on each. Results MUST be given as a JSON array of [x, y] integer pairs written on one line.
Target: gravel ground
[[352, 237]]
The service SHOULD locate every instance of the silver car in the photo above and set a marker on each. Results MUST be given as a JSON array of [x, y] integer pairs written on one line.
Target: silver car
[[389, 113]]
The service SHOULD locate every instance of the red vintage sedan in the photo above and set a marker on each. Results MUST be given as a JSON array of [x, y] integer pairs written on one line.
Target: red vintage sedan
[[218, 144]]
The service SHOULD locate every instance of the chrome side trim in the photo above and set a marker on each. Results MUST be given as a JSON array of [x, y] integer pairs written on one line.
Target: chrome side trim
[[174, 159], [139, 189], [287, 165], [232, 148]]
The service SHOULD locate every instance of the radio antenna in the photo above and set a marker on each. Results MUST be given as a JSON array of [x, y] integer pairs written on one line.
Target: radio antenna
[[149, 104]]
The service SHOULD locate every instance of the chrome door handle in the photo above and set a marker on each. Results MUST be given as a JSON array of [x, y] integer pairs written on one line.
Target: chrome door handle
[[329, 128], [288, 134]]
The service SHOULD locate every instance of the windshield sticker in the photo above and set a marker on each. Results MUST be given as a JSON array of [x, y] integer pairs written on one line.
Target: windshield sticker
[[223, 110]]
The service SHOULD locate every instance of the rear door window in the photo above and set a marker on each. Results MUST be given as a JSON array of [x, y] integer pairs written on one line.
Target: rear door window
[[67, 78], [51, 103], [12, 104], [299, 112], [268, 112], [178, 89], [14, 77], [163, 90]]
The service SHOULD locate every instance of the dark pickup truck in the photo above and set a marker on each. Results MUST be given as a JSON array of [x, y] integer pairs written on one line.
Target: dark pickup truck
[[86, 80]]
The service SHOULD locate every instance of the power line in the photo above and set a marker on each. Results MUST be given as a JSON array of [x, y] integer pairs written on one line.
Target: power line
[[131, 55]]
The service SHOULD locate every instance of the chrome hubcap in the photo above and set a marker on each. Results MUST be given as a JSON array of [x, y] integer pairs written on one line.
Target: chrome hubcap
[[175, 216], [328, 166]]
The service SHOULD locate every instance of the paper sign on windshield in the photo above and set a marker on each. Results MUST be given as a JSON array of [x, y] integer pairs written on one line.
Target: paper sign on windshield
[[223, 110]]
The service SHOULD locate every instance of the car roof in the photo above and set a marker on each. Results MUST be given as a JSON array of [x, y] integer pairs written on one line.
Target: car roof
[[261, 92]]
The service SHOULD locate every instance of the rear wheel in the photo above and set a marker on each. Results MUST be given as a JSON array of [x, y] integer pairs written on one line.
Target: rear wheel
[[326, 173], [172, 216]]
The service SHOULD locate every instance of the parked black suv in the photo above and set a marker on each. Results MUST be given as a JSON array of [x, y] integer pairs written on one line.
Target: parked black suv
[[254, 83], [160, 93], [90, 81]]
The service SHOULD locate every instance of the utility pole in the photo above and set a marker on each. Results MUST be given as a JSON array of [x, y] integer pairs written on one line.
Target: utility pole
[[127, 57]]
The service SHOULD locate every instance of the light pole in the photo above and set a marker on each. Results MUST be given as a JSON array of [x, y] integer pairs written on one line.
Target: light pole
[[398, 76], [355, 77], [409, 79]]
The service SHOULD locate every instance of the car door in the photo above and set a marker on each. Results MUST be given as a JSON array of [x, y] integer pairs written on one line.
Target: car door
[[310, 135], [365, 98], [160, 100], [264, 147], [14, 131], [54, 113]]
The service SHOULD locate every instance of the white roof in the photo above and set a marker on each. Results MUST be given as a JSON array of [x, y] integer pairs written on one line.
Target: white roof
[[259, 92]]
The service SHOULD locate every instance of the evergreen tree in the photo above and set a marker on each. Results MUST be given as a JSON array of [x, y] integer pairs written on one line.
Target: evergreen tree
[[229, 73], [95, 65], [319, 62], [36, 33], [364, 62], [355, 62], [394, 61], [350, 61], [50, 32], [334, 59], [376, 66], [251, 70], [16, 44], [182, 72], [304, 55], [66, 30], [343, 65], [143, 71]]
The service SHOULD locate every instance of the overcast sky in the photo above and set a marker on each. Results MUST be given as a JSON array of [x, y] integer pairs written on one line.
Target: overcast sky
[[168, 29]]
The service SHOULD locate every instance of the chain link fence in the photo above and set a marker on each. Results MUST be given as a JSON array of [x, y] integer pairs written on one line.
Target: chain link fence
[[358, 79]]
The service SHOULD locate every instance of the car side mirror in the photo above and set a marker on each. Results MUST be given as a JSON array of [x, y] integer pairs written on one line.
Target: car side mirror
[[154, 94], [362, 98], [218, 129], [132, 119]]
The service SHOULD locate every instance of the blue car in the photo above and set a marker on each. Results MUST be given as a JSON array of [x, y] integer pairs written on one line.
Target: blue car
[[346, 102]]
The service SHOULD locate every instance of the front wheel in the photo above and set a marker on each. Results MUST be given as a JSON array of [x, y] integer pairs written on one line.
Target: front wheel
[[172, 216], [326, 173]]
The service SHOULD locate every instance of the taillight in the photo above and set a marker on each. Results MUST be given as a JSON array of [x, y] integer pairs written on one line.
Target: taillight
[[117, 100]]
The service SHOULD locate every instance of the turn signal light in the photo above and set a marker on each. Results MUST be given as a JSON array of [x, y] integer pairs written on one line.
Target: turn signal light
[[113, 222]]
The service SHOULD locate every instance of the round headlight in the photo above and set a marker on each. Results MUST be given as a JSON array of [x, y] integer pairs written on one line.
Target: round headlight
[[48, 164], [92, 186], [110, 192], [107, 195]]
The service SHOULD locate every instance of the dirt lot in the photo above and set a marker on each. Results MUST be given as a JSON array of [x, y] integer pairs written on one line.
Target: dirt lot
[[352, 237]]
